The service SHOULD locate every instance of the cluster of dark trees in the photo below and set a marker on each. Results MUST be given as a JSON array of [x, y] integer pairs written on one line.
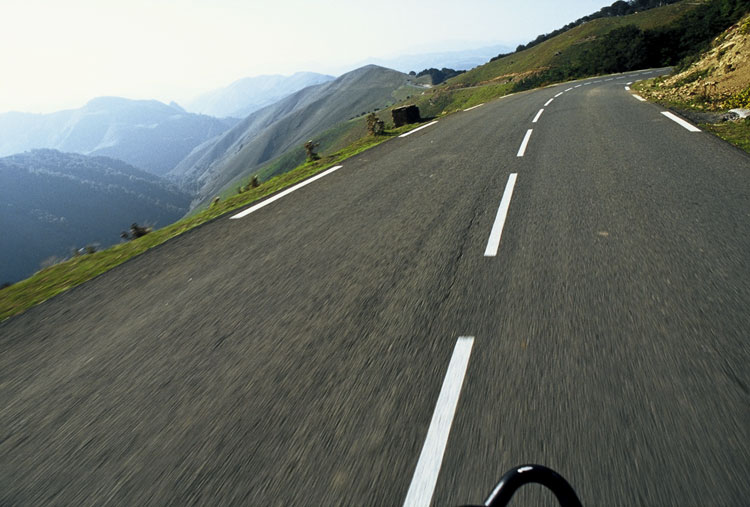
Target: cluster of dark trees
[[629, 47], [438, 75], [619, 8]]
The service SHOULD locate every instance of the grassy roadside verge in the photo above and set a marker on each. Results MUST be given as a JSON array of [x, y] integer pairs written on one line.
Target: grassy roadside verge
[[702, 112], [56, 279], [734, 132]]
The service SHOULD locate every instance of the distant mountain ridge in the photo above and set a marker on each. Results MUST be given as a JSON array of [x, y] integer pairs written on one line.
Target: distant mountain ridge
[[51, 202], [145, 133], [287, 124], [249, 94], [458, 60]]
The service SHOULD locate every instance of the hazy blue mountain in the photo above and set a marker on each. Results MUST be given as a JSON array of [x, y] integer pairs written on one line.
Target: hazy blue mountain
[[145, 133], [247, 95], [52, 202], [287, 124], [458, 60]]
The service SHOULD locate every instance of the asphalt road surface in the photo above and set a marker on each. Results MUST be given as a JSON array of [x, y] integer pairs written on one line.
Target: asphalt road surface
[[577, 296]]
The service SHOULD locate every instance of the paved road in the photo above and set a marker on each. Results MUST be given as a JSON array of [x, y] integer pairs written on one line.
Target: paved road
[[298, 355]]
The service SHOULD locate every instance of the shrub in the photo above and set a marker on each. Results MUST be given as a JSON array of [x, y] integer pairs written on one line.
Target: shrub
[[136, 231], [375, 126], [310, 148], [741, 99]]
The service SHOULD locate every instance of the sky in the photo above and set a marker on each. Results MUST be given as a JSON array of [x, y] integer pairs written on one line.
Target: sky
[[59, 54]]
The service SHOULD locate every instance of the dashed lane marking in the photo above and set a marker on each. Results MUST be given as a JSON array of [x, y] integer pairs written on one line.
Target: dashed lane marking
[[548, 102], [418, 129], [474, 107], [428, 467], [493, 244], [524, 143], [288, 191], [639, 97], [680, 121], [536, 118]]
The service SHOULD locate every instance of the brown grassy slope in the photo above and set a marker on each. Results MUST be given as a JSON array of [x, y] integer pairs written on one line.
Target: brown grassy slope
[[719, 80]]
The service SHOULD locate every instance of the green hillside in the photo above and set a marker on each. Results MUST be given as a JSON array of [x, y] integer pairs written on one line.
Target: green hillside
[[561, 49], [53, 202], [282, 128]]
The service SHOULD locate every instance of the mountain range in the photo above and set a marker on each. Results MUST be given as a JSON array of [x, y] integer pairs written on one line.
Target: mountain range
[[148, 134], [457, 60], [53, 202], [249, 94], [287, 124]]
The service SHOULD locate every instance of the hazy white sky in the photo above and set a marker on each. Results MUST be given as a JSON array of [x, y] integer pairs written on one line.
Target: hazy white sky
[[57, 54]]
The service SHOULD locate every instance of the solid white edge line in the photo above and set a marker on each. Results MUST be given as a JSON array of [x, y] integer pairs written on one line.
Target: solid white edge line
[[639, 97], [417, 129], [285, 192], [548, 102], [524, 143], [474, 107], [536, 118], [430, 460], [677, 119], [502, 213], [558, 94]]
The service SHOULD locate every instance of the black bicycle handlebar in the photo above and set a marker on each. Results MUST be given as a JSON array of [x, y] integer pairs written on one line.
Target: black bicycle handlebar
[[514, 479]]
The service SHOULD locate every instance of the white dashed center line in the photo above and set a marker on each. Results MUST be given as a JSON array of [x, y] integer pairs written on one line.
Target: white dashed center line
[[558, 94], [548, 102], [288, 191], [524, 143], [536, 118], [577, 86], [428, 467], [502, 213]]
